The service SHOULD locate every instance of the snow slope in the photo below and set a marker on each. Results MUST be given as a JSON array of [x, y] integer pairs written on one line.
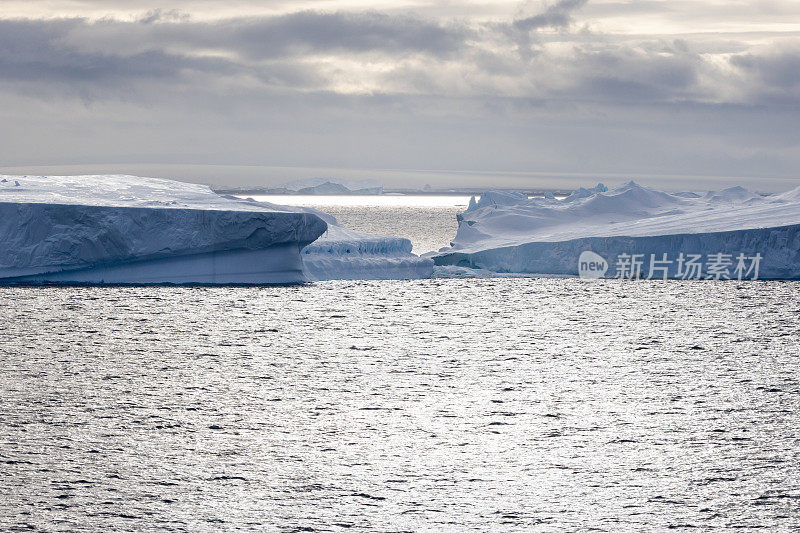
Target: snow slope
[[126, 229], [507, 232]]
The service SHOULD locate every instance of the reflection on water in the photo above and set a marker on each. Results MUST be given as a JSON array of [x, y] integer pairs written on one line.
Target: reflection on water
[[429, 221], [382, 200], [437, 405]]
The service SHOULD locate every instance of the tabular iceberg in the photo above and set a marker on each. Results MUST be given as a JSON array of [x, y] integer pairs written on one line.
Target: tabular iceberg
[[127, 229], [133, 230], [632, 231]]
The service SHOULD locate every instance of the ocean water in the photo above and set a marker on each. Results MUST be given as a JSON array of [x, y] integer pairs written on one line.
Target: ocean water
[[428, 221], [431, 405]]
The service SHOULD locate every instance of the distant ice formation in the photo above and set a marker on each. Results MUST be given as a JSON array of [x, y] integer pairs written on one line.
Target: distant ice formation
[[334, 186], [639, 231], [132, 230], [314, 186]]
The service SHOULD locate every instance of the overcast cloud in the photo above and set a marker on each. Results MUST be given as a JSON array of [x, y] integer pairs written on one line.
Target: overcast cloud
[[561, 87]]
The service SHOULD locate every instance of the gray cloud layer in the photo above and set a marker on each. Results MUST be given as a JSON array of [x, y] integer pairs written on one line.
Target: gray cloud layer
[[396, 54], [448, 93]]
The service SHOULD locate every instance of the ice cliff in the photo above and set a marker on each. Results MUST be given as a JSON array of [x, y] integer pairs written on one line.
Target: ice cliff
[[345, 254], [638, 231], [126, 229]]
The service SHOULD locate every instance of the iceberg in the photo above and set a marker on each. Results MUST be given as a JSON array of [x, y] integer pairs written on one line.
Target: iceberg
[[131, 230], [334, 186], [341, 253], [632, 231], [127, 229], [315, 186]]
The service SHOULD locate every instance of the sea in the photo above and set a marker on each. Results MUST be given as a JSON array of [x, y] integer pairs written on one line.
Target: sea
[[507, 404]]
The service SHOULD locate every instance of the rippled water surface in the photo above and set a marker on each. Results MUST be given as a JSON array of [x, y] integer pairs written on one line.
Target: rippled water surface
[[434, 405], [428, 221]]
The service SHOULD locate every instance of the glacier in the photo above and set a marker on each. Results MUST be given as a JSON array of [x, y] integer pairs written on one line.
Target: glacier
[[131, 230], [635, 231]]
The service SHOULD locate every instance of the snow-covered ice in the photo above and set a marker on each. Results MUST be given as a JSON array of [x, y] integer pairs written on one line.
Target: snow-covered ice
[[128, 229], [341, 253], [508, 232]]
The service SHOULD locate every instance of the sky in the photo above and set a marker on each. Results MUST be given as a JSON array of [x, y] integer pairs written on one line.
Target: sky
[[558, 93]]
